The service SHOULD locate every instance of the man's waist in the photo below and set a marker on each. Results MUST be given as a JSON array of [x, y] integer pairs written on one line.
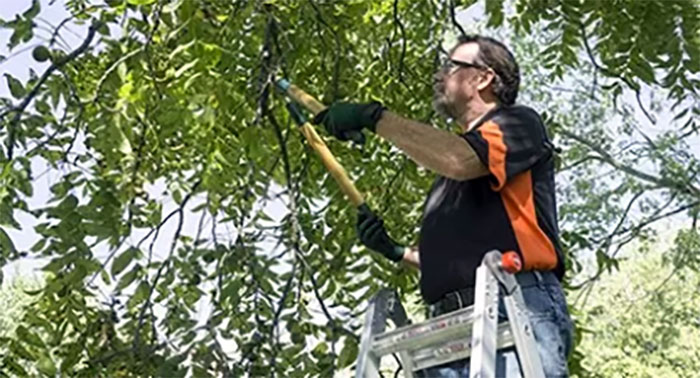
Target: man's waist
[[464, 297]]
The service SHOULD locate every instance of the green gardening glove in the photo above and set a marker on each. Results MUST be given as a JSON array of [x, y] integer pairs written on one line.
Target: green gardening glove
[[346, 121], [370, 229]]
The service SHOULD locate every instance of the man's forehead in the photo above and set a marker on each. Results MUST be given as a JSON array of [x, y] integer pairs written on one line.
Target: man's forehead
[[466, 52]]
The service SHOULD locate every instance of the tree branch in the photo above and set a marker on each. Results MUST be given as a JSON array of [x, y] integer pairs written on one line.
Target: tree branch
[[35, 90], [453, 17], [607, 158]]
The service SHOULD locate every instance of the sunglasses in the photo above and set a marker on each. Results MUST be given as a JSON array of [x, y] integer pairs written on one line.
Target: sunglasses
[[452, 65]]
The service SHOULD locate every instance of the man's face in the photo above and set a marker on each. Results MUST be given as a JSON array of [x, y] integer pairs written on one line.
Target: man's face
[[456, 85]]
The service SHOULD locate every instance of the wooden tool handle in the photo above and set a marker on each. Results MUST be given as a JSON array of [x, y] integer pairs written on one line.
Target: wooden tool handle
[[304, 99], [336, 170]]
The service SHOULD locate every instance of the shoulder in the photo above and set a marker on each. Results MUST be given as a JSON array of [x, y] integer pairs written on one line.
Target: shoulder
[[517, 115]]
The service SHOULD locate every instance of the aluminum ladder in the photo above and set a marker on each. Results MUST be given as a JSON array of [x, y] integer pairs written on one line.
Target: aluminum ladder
[[472, 332]]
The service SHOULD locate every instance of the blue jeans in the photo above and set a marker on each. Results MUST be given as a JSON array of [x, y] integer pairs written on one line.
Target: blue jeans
[[552, 328]]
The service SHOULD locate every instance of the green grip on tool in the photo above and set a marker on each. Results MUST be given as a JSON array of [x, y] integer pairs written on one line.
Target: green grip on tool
[[296, 114], [283, 84]]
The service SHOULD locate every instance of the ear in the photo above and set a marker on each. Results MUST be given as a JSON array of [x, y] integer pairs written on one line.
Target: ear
[[485, 79]]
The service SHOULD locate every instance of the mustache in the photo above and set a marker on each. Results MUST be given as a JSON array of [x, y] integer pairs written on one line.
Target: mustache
[[438, 79], [439, 86]]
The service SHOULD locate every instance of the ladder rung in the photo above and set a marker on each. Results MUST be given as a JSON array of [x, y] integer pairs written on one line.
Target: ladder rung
[[439, 329], [456, 349], [438, 340]]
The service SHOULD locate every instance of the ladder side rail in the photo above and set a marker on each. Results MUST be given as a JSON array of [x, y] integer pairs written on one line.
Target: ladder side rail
[[525, 344], [397, 314], [523, 335], [407, 364], [375, 322], [482, 363]]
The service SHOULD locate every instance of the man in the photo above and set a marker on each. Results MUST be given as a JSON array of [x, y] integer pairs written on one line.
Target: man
[[494, 190]]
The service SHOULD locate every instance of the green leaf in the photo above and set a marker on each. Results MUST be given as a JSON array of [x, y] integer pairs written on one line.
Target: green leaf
[[16, 88], [46, 366], [123, 260], [33, 11], [32, 293], [29, 337], [7, 247], [15, 367], [21, 351], [177, 196], [643, 70], [140, 2], [128, 278], [23, 32], [140, 294], [349, 353], [71, 358], [494, 8], [103, 29], [173, 367], [60, 189], [38, 246], [69, 203], [105, 277], [185, 67]]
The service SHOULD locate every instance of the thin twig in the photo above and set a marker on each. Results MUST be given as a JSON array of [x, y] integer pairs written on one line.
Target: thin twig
[[453, 17], [164, 263], [336, 51], [610, 73]]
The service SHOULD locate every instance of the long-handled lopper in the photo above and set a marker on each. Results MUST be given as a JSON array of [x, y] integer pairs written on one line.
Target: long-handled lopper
[[329, 161]]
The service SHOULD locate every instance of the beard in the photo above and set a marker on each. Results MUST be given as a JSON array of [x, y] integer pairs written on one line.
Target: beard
[[444, 106]]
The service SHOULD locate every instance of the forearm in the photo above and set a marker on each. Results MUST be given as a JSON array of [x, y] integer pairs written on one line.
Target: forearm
[[411, 258], [437, 150]]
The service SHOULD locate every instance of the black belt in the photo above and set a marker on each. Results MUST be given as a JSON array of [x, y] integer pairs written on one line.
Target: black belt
[[461, 298]]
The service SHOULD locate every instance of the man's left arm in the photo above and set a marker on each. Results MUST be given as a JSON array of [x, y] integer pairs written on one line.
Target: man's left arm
[[438, 150]]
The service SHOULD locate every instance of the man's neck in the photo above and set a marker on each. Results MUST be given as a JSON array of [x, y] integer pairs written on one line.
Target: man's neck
[[474, 115]]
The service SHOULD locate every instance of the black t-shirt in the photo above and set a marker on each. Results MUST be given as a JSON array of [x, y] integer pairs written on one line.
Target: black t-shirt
[[512, 208]]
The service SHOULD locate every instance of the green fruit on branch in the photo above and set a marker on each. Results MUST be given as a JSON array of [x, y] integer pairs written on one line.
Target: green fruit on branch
[[41, 54]]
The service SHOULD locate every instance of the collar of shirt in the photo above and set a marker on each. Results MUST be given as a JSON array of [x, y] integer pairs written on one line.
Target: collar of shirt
[[478, 121]]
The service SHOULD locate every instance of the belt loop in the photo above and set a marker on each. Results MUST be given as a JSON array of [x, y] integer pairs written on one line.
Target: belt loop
[[538, 278]]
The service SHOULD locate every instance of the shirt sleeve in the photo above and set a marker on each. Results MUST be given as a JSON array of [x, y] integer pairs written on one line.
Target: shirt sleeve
[[509, 143]]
